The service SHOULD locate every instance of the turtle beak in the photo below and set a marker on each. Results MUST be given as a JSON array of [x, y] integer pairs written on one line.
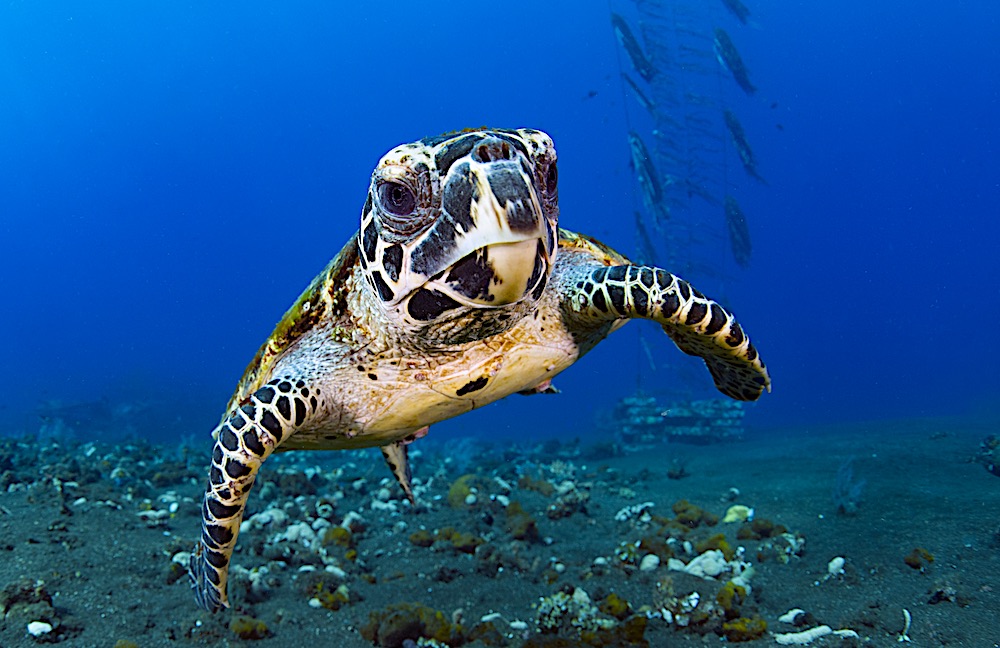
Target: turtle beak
[[516, 269]]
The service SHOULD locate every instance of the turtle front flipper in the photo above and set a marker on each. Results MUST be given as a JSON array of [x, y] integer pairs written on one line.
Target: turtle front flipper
[[247, 436], [697, 325]]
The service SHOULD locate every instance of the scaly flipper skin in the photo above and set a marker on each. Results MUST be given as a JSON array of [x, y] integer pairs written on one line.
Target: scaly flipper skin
[[244, 440], [698, 325], [397, 458], [597, 293]]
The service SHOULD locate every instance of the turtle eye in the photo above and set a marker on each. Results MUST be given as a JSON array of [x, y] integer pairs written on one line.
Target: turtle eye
[[551, 179], [397, 198]]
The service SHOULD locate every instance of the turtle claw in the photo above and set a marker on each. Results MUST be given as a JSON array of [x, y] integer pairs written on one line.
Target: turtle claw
[[206, 594]]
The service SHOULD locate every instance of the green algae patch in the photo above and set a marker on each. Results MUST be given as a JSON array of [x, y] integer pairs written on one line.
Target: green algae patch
[[487, 634], [248, 628], [616, 606], [919, 558], [338, 536], [717, 541], [460, 489], [628, 634], [332, 599], [744, 629], [545, 487], [656, 544], [729, 598], [393, 625], [422, 538], [759, 529], [521, 525], [691, 516], [462, 542]]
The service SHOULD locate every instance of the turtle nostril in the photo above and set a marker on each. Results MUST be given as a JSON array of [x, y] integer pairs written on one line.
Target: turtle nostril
[[492, 150]]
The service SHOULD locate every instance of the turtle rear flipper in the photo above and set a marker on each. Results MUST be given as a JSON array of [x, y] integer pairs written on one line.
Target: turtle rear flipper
[[246, 437], [397, 457], [697, 325]]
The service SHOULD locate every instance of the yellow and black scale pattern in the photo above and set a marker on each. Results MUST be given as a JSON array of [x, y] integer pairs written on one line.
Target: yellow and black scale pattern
[[697, 325], [244, 440]]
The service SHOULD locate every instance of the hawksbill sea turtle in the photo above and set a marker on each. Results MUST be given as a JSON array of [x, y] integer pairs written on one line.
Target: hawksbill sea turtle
[[458, 290]]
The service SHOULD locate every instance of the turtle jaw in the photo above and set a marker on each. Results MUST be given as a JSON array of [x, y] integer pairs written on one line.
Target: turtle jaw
[[517, 269], [495, 275]]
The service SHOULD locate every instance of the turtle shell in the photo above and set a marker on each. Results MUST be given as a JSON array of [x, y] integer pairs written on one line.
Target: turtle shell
[[325, 296]]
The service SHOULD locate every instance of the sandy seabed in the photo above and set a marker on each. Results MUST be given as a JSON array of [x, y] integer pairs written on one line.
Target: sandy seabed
[[511, 546]]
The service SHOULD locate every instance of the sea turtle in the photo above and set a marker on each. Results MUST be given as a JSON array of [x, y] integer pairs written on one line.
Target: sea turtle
[[459, 289]]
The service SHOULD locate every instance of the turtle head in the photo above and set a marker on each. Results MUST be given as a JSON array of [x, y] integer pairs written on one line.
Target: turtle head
[[462, 227]]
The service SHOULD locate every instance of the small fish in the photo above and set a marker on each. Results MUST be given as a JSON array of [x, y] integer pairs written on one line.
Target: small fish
[[590, 95], [649, 352], [641, 64], [640, 96], [739, 232], [742, 145], [690, 30], [697, 99], [738, 9], [697, 120], [696, 52], [730, 59], [695, 189], [646, 251], [671, 121], [649, 179]]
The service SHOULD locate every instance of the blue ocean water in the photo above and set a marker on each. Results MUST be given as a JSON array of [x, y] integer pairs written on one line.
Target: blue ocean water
[[173, 174]]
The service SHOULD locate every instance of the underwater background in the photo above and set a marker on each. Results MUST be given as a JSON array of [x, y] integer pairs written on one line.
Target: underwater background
[[173, 174]]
